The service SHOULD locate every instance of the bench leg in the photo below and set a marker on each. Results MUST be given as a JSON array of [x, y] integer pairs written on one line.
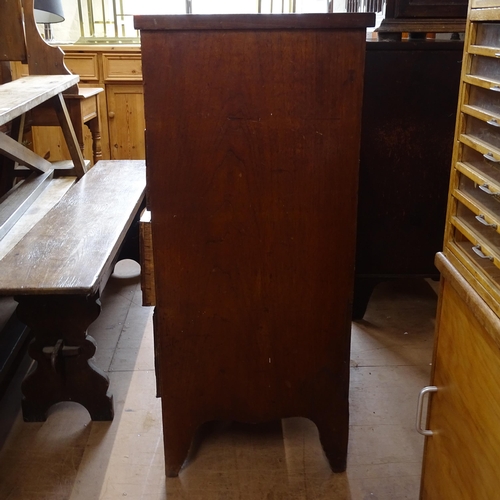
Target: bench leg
[[62, 349]]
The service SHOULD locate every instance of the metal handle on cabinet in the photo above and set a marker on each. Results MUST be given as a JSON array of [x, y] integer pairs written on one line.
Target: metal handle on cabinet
[[477, 250], [480, 218], [495, 88], [486, 189], [489, 156], [420, 406], [497, 54], [493, 122]]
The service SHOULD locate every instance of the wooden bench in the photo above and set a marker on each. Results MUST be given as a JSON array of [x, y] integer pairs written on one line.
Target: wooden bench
[[59, 238], [57, 271]]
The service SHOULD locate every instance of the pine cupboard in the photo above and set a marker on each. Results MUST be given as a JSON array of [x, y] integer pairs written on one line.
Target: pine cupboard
[[253, 137], [462, 448], [117, 69]]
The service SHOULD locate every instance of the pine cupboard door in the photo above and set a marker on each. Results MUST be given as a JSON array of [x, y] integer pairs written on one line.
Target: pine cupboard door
[[462, 456], [126, 121]]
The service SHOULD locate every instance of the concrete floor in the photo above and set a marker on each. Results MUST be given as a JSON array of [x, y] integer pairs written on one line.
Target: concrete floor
[[70, 457]]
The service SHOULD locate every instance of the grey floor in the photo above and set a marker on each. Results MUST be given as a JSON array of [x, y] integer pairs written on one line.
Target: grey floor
[[70, 457]]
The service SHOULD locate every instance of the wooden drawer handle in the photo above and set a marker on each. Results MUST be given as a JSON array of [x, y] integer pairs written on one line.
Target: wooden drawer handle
[[477, 250], [493, 122], [420, 405], [480, 218]]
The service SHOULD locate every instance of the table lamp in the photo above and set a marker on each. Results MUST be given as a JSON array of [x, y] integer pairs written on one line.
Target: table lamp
[[47, 12]]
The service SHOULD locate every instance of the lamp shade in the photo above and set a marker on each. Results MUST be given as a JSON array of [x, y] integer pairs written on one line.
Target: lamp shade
[[48, 11]]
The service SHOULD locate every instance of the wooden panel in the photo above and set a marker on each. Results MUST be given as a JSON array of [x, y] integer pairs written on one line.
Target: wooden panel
[[461, 458], [122, 67], [84, 65], [12, 45], [254, 22], [51, 195], [253, 149], [147, 262], [126, 121], [49, 142], [19, 70]]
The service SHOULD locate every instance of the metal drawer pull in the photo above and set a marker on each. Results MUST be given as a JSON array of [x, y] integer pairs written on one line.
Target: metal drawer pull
[[495, 88], [489, 156], [477, 250], [480, 218], [497, 54], [493, 122], [486, 189], [420, 405]]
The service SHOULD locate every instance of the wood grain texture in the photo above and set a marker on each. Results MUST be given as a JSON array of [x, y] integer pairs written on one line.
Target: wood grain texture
[[255, 22], [51, 195], [126, 121], [24, 156], [12, 46], [147, 262], [20, 198], [79, 165], [253, 149], [71, 249], [21, 95], [460, 459]]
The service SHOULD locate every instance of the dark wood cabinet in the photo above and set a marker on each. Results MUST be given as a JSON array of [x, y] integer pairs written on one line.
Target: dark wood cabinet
[[252, 132], [418, 17], [427, 9], [409, 108]]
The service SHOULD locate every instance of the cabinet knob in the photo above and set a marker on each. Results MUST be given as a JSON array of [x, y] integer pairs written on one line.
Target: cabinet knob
[[111, 114]]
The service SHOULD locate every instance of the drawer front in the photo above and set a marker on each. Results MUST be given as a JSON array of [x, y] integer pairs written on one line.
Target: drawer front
[[84, 65], [487, 68], [484, 101], [122, 67], [480, 194], [486, 132], [488, 34]]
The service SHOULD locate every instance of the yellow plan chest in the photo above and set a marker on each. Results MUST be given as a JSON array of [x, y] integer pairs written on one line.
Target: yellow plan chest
[[472, 235], [462, 444]]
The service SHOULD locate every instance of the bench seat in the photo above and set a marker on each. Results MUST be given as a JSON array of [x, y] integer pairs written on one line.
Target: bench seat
[[22, 95], [71, 248], [56, 272]]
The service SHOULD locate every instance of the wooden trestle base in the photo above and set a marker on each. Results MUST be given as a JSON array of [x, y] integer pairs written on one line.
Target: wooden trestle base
[[64, 370]]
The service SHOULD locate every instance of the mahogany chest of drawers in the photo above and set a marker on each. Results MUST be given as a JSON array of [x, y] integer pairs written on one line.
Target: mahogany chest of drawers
[[252, 133]]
